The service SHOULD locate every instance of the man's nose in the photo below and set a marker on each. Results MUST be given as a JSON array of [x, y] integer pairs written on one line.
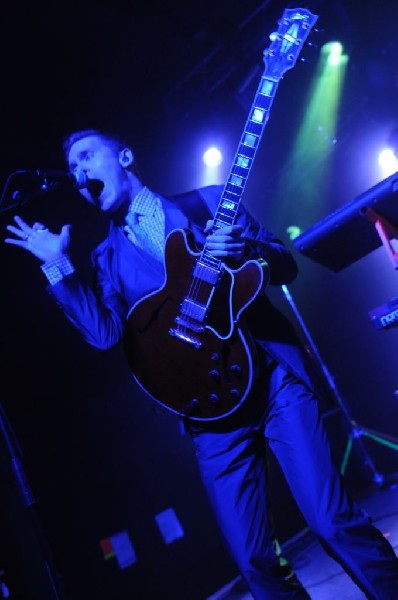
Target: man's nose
[[81, 178]]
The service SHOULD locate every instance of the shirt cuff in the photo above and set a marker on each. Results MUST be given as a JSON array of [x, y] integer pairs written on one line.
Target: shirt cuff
[[58, 268]]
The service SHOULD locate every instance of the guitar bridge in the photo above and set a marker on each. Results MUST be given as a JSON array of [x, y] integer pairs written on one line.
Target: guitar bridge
[[185, 337], [189, 324]]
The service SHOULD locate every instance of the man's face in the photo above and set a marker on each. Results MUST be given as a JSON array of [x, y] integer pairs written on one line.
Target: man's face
[[108, 184]]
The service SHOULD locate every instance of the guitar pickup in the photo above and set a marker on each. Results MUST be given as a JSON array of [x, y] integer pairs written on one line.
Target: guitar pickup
[[206, 273], [188, 324], [193, 310]]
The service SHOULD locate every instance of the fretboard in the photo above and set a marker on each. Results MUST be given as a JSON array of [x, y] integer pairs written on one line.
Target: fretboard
[[294, 28], [228, 206]]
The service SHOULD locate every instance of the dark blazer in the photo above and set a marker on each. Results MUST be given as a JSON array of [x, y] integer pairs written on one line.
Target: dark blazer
[[125, 273]]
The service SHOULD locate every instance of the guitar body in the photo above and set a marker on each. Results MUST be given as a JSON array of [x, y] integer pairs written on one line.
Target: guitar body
[[201, 375]]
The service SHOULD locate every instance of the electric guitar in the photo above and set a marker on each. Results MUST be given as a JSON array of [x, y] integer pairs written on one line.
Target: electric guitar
[[187, 344]]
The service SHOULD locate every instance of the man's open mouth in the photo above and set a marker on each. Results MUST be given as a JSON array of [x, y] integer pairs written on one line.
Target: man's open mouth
[[95, 187]]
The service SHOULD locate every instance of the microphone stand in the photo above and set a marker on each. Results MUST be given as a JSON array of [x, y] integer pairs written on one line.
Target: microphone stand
[[18, 197], [29, 502], [33, 182], [356, 431]]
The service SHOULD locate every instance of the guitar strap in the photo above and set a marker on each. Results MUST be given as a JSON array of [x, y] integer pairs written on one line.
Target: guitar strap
[[194, 207]]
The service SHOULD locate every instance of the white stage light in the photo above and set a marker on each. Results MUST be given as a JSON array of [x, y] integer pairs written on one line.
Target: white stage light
[[212, 157], [388, 162]]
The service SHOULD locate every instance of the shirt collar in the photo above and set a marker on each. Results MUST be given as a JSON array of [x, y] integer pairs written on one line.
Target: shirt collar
[[144, 203]]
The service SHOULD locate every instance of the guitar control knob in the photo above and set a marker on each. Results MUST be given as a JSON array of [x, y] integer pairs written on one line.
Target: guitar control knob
[[190, 407], [235, 370], [214, 374], [214, 399], [234, 394], [215, 356]]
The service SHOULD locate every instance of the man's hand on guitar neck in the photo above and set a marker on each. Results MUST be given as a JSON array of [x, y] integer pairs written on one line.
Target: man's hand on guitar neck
[[226, 242]]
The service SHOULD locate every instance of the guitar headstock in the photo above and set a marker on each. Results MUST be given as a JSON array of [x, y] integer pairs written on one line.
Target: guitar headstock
[[286, 43]]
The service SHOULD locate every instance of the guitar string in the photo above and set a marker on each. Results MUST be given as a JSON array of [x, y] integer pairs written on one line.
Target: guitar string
[[250, 128], [197, 283], [253, 127]]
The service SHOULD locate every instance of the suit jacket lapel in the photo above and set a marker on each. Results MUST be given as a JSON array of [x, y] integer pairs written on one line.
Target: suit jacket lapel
[[175, 219]]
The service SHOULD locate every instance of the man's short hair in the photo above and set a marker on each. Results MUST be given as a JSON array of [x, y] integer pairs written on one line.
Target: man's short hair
[[111, 139]]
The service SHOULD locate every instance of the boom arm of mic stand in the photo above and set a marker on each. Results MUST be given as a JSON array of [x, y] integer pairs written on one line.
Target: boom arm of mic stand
[[20, 198]]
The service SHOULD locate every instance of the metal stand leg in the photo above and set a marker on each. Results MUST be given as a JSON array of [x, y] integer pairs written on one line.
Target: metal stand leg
[[356, 431], [55, 582]]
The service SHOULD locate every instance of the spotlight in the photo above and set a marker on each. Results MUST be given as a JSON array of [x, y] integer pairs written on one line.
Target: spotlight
[[334, 53], [388, 162], [293, 231], [212, 157]]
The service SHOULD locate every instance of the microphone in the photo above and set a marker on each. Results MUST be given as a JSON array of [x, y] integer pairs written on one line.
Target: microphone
[[49, 181], [24, 185]]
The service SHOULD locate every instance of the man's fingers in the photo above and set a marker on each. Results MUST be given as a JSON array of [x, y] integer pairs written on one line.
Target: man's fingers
[[15, 242], [20, 233]]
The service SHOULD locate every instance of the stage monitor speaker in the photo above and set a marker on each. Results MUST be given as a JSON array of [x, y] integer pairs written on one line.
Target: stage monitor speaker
[[346, 235]]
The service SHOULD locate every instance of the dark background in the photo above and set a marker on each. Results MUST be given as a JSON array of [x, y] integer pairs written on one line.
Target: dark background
[[99, 457]]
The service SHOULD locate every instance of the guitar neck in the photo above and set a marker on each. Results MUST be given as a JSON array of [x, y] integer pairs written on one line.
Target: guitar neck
[[228, 206], [294, 28]]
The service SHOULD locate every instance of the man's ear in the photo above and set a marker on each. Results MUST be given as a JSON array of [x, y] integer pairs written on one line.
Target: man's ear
[[126, 157]]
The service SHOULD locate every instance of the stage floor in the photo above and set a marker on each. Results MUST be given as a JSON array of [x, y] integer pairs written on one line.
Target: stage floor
[[322, 576]]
